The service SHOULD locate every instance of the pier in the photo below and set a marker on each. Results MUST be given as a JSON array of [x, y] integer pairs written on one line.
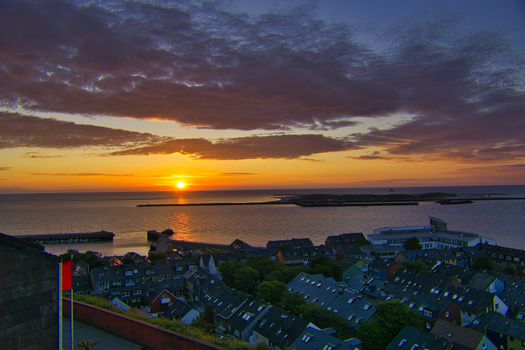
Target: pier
[[78, 237]]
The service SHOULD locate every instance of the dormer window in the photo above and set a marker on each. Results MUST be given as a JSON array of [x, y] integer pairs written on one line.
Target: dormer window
[[306, 338]]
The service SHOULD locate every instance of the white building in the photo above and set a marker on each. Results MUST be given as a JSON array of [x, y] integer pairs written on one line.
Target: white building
[[434, 236]]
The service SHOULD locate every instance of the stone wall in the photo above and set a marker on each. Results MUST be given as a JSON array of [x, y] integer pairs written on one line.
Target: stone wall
[[28, 298]]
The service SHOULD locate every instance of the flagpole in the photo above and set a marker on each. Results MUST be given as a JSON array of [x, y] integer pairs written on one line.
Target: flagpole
[[71, 309], [59, 300], [71, 319]]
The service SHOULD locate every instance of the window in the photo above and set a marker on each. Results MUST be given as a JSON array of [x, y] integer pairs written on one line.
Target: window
[[128, 273], [306, 338], [402, 342], [328, 347], [130, 283], [137, 292], [165, 300]]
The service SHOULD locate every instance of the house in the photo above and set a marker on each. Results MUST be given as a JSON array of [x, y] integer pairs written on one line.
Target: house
[[383, 251], [278, 329], [512, 331], [139, 283], [161, 302], [503, 258], [179, 309], [333, 296], [355, 276], [243, 321], [505, 333], [290, 243], [345, 240], [315, 339], [384, 269], [240, 245], [461, 336], [411, 338], [451, 256], [438, 295], [486, 282], [514, 297], [301, 255], [235, 312]]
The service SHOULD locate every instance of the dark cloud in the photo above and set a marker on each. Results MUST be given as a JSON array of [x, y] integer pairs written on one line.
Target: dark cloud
[[251, 147], [82, 174], [24, 131], [201, 65], [38, 155], [376, 155], [4, 168], [510, 169]]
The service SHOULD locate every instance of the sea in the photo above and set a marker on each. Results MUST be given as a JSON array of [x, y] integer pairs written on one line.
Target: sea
[[41, 213]]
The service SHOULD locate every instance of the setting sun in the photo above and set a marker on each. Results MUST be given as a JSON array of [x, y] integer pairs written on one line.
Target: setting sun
[[180, 185]]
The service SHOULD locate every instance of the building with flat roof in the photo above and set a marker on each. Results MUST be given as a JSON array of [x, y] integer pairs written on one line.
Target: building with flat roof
[[434, 236]]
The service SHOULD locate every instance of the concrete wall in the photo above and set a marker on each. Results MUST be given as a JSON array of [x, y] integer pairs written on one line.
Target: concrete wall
[[28, 299], [133, 330]]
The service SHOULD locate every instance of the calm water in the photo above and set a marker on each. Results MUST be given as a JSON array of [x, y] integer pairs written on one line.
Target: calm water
[[117, 212]]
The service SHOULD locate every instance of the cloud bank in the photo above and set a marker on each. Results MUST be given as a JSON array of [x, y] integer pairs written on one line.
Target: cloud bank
[[204, 66]]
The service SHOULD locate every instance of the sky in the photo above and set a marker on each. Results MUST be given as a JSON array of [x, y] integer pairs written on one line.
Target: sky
[[108, 95]]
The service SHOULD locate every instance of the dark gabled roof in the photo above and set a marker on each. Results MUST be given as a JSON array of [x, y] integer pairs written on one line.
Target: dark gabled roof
[[247, 313], [466, 337], [299, 252], [413, 338], [292, 243], [345, 239], [481, 281], [507, 326], [514, 294], [332, 296], [177, 309], [239, 244], [280, 327], [315, 339]]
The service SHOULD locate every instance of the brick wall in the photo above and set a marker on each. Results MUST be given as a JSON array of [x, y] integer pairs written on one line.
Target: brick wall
[[28, 299], [133, 330]]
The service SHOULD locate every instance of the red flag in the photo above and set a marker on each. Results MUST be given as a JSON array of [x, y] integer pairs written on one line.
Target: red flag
[[67, 275]]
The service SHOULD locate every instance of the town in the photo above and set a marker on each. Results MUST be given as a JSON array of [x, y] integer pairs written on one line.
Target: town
[[418, 287]]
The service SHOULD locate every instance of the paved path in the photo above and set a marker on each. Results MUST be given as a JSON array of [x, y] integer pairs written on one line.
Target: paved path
[[104, 340]]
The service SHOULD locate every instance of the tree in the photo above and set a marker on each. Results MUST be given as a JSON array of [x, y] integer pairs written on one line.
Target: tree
[[417, 265], [389, 319], [206, 321], [263, 265], [326, 319], [483, 263], [271, 291], [246, 279], [412, 244], [292, 302], [228, 270], [326, 267]]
